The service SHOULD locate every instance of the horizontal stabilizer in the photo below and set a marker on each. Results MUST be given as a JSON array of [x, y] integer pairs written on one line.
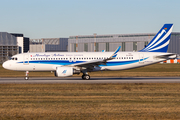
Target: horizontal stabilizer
[[167, 56]]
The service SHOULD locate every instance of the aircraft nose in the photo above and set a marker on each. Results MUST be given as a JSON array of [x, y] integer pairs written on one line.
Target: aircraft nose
[[6, 65]]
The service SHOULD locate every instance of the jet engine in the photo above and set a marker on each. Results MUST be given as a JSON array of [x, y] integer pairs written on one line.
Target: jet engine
[[65, 71]]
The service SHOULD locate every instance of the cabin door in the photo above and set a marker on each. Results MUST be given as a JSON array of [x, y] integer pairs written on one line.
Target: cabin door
[[141, 58], [26, 59]]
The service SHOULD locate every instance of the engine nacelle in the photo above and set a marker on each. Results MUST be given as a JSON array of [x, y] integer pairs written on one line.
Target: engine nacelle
[[65, 71]]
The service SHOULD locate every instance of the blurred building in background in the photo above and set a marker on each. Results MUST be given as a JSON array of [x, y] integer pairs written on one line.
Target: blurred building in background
[[128, 42], [49, 45], [11, 44]]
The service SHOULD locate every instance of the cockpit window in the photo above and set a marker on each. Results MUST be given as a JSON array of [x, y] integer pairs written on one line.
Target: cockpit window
[[14, 58]]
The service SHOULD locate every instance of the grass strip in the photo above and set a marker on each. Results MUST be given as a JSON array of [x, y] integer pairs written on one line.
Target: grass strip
[[90, 101]]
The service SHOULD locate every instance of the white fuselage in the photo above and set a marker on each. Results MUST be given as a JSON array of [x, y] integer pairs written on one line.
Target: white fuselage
[[48, 61]]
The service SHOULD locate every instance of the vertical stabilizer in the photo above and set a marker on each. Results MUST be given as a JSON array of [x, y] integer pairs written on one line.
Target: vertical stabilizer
[[161, 40]]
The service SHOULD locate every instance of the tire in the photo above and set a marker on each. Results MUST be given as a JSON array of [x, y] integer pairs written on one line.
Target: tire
[[26, 78], [83, 77], [87, 77]]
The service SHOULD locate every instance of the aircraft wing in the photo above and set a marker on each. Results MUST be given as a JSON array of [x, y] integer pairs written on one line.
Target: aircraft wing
[[91, 64], [95, 63]]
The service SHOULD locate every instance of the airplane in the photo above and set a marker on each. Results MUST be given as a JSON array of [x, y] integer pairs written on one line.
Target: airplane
[[65, 64]]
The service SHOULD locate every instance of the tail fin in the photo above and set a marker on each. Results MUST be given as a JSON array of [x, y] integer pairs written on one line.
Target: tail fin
[[161, 40]]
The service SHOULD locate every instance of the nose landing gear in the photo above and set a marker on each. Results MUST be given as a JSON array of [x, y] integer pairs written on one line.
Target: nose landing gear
[[27, 75]]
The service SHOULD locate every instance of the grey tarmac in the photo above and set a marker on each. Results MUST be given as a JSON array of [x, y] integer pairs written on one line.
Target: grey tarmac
[[93, 80]]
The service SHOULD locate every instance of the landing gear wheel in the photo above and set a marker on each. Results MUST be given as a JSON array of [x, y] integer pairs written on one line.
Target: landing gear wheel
[[26, 78], [85, 77]]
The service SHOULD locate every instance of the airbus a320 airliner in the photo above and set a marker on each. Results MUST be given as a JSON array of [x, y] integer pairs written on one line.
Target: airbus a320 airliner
[[65, 64]]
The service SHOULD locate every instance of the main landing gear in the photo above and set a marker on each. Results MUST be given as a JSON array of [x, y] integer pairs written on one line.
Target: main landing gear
[[27, 75], [85, 77]]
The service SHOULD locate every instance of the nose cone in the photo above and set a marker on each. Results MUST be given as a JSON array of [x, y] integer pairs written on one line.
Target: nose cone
[[8, 65], [5, 65]]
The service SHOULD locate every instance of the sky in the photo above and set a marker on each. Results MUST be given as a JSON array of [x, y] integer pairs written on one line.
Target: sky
[[63, 18]]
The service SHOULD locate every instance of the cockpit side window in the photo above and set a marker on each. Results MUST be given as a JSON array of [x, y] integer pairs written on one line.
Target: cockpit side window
[[13, 58]]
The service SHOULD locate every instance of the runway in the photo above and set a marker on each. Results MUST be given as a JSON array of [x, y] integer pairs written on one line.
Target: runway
[[93, 80]]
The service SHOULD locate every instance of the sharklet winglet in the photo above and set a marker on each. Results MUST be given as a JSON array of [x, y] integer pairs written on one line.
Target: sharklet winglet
[[115, 53]]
